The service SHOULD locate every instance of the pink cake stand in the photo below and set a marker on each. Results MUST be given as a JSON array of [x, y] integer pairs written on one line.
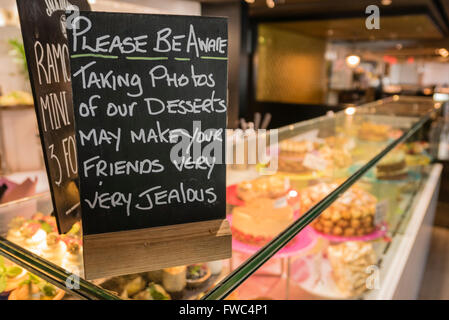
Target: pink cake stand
[[233, 199], [305, 240]]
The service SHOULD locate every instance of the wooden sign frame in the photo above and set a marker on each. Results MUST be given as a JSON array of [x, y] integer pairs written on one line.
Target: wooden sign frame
[[126, 252], [191, 226]]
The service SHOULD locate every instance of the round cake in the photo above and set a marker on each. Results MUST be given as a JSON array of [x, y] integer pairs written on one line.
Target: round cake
[[350, 215], [264, 187], [259, 221], [392, 167]]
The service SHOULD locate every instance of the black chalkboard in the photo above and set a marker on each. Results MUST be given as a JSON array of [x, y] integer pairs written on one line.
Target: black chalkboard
[[137, 81], [45, 41]]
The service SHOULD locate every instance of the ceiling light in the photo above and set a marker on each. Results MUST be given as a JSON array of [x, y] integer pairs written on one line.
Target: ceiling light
[[270, 4], [250, 1], [92, 1], [386, 2], [350, 111], [352, 61]]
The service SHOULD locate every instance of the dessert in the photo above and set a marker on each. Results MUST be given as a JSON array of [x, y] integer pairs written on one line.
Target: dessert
[[133, 287], [153, 292], [155, 276], [392, 166], [48, 223], [263, 187], [54, 249], [350, 262], [292, 154], [14, 232], [335, 157], [35, 237], [174, 280], [36, 289], [350, 215], [259, 221], [73, 258], [16, 98], [11, 276], [197, 275], [369, 131]]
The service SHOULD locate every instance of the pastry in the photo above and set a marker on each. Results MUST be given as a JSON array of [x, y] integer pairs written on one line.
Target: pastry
[[369, 131], [155, 276], [36, 289], [392, 167], [174, 280], [263, 187], [259, 221], [350, 215], [11, 276], [35, 237], [133, 287], [14, 232], [350, 261], [197, 275], [73, 258], [54, 249], [153, 292], [48, 223]]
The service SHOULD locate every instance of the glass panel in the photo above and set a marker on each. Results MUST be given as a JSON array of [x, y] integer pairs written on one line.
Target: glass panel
[[315, 162], [29, 240], [375, 207]]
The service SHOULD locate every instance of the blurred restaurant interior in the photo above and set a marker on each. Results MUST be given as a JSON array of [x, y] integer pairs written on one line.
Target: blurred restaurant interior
[[300, 66]]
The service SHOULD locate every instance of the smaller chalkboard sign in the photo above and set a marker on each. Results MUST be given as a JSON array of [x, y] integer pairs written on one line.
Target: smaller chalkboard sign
[[150, 105], [45, 42]]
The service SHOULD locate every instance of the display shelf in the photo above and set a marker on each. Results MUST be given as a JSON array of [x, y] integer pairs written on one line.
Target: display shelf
[[323, 131]]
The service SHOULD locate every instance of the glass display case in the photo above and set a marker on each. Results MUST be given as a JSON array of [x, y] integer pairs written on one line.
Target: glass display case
[[333, 208]]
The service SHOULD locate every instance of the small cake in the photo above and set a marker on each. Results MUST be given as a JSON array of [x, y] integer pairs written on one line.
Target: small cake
[[350, 262], [73, 258], [263, 187], [259, 221], [174, 280], [369, 131], [55, 249], [12, 276], [197, 275], [292, 154], [35, 237], [350, 215], [392, 167], [76, 230], [14, 232], [133, 287]]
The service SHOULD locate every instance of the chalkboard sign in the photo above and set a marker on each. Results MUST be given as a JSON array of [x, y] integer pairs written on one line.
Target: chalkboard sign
[[45, 41], [150, 113], [150, 99]]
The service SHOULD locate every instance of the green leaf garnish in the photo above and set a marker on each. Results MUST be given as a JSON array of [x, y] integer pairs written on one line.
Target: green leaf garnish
[[47, 289], [46, 227], [14, 271], [2, 283], [156, 294]]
